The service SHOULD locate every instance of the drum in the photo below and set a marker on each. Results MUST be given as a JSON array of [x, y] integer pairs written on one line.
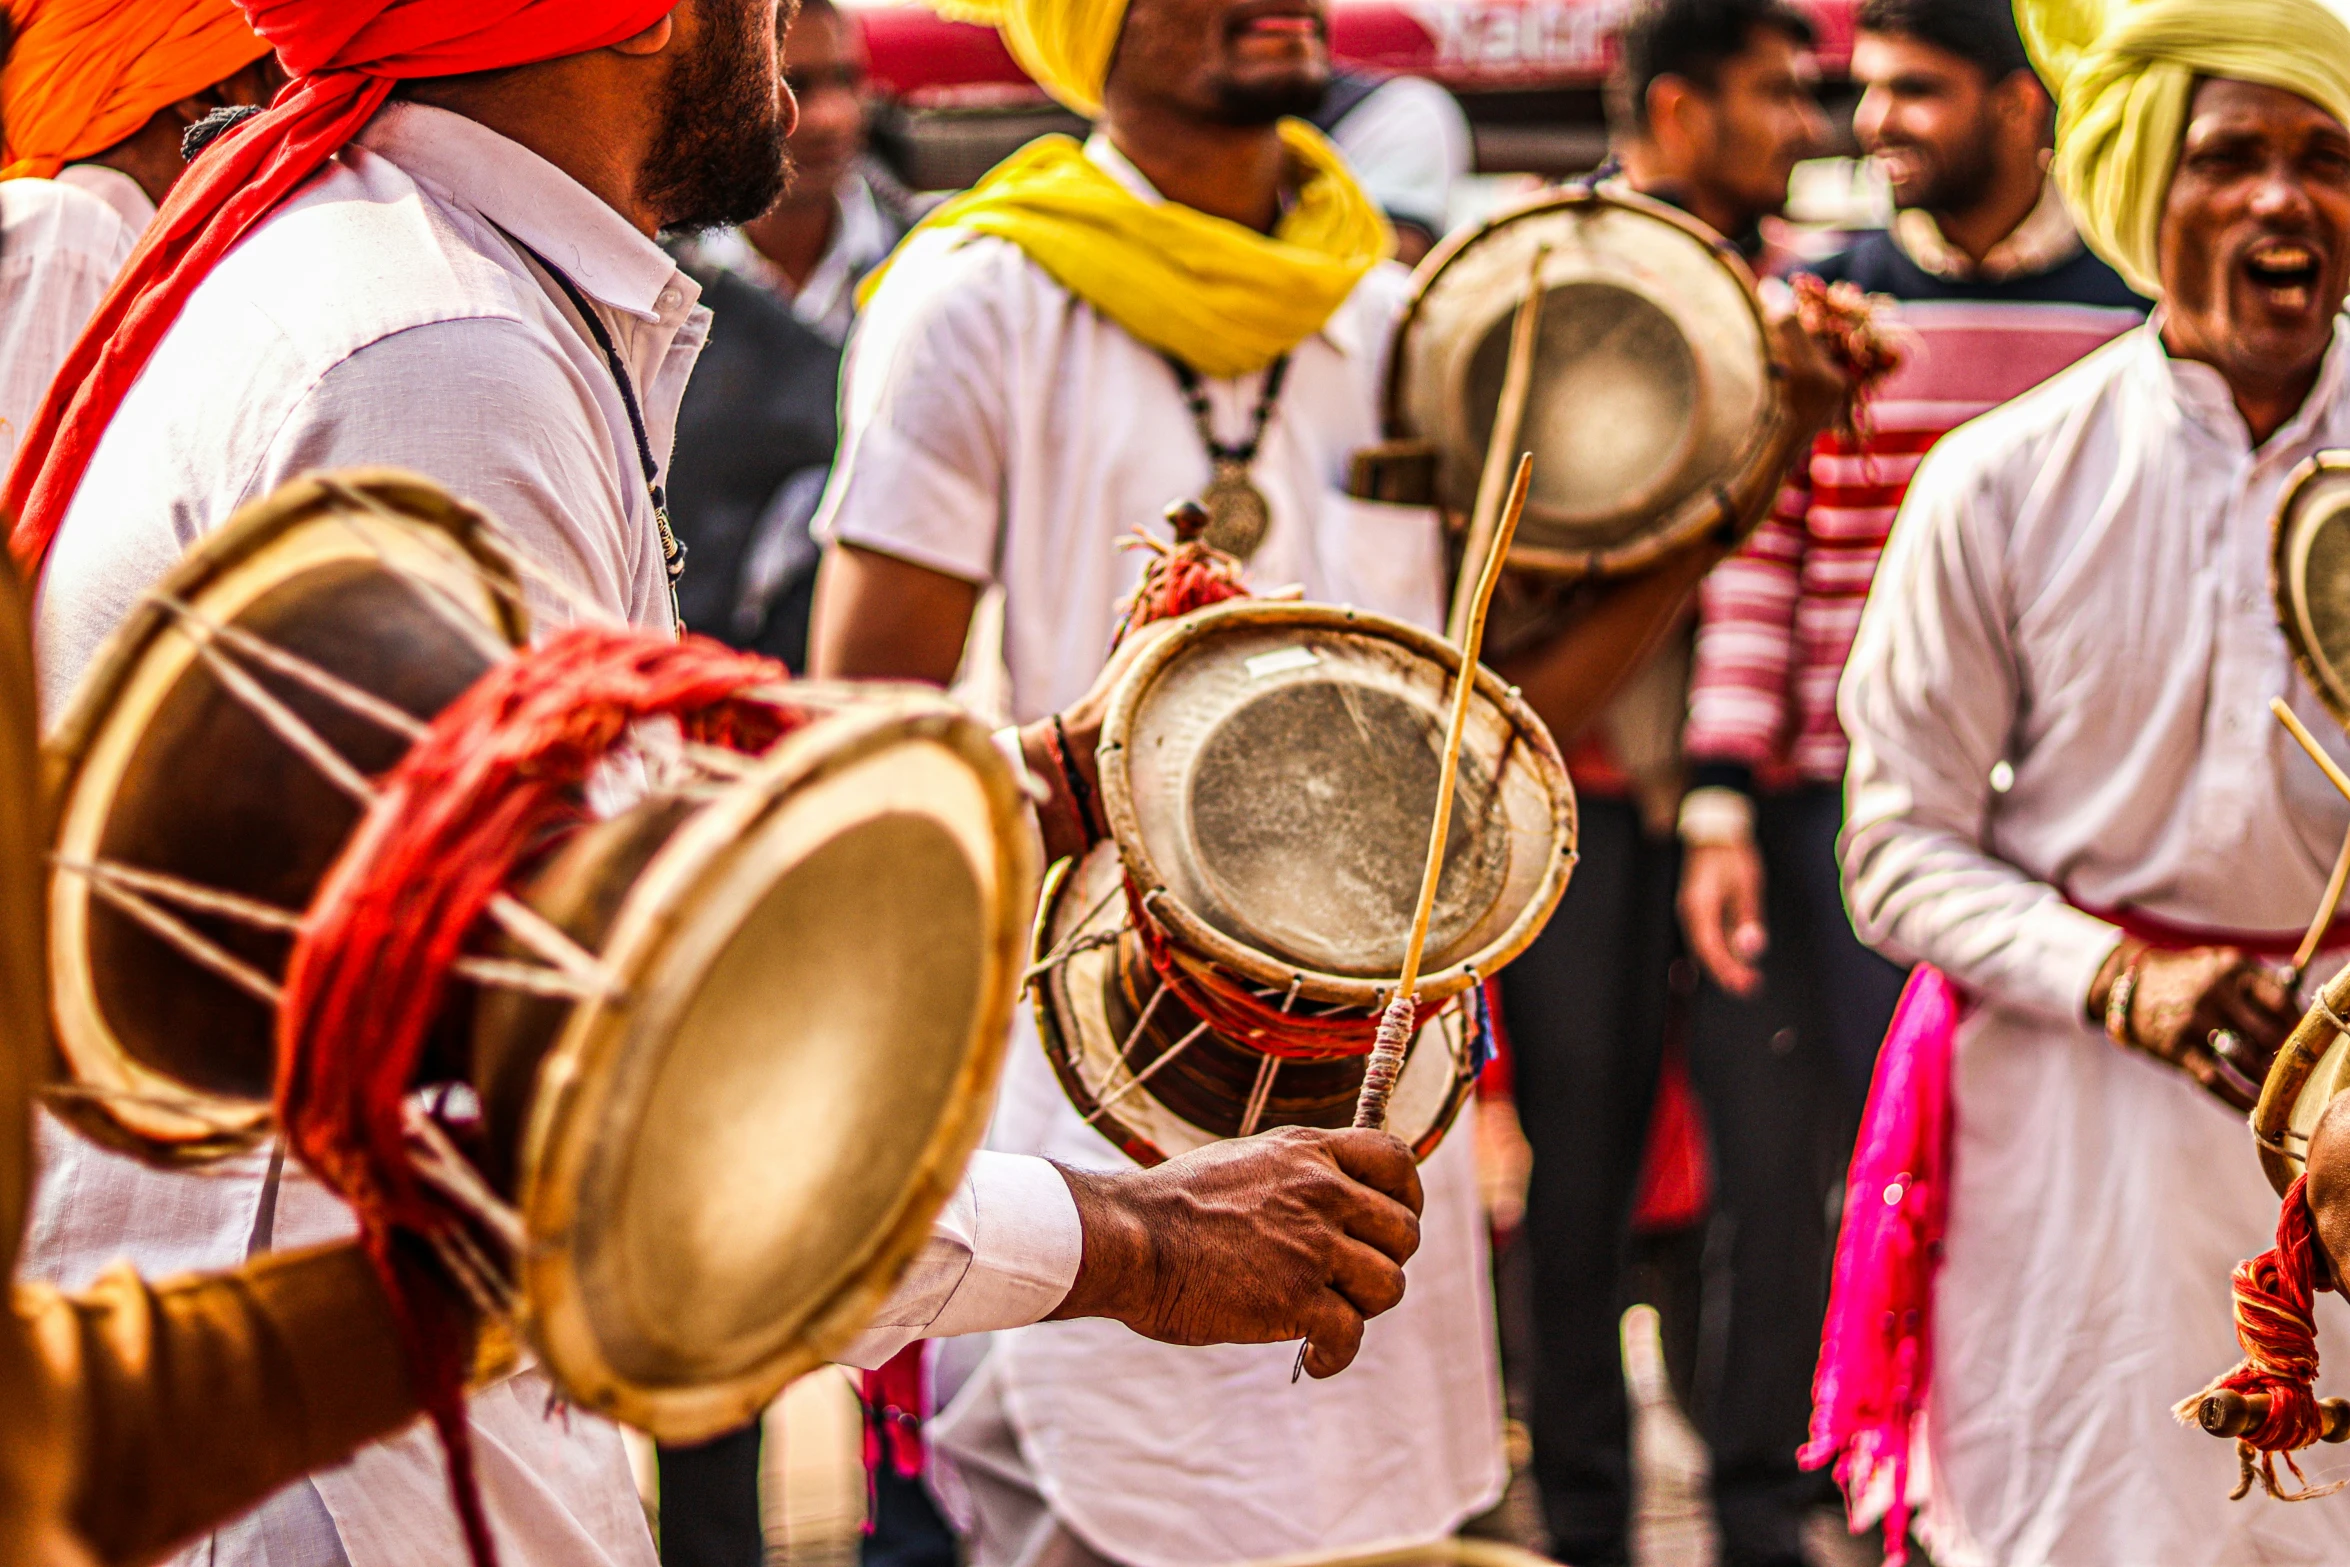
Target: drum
[[719, 1128], [1654, 390], [2309, 576], [1217, 966]]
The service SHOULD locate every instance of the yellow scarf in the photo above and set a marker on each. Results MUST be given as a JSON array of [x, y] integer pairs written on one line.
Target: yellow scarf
[[2123, 73], [1224, 299]]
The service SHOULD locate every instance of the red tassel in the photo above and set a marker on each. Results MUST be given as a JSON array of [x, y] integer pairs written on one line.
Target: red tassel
[[2275, 1323], [1179, 578], [492, 777]]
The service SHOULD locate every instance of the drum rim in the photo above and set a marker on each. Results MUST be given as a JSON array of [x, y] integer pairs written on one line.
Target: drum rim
[[1699, 515], [575, 1081], [2280, 1092], [1206, 942], [1062, 1051], [2281, 530], [252, 528]]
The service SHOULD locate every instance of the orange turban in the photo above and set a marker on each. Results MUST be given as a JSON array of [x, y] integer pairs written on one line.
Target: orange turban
[[84, 74]]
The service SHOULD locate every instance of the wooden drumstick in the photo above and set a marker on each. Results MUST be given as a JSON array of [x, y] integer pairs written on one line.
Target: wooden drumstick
[[1517, 382], [1395, 1028], [2331, 903], [2230, 1413]]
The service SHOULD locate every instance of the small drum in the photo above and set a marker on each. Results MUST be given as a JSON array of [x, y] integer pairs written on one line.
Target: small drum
[[1268, 771], [719, 1134], [1654, 388]]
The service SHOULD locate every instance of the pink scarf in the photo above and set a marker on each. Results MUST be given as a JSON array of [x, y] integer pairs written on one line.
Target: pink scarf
[[1876, 1348]]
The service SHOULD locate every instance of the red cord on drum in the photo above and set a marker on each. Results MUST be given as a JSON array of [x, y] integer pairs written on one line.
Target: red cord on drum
[[498, 772], [1243, 1017], [2275, 1296]]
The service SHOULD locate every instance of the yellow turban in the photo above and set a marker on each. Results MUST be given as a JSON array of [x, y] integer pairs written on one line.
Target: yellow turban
[[2122, 73], [1065, 45], [84, 74]]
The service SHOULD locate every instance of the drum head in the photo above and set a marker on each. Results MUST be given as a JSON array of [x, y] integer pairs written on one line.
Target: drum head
[[24, 1012], [730, 1160], [1270, 771], [2310, 576], [1203, 1092], [159, 770], [1652, 387]]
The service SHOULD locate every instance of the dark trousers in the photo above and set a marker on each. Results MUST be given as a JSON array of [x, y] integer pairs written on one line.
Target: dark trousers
[[1781, 1077], [1586, 1007], [710, 1502]]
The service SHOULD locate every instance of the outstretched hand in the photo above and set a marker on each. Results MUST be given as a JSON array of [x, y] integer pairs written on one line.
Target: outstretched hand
[[1294, 1233]]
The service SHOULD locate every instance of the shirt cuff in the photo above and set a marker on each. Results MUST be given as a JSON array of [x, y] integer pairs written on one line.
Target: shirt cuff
[[2068, 948], [1001, 1254], [1026, 1244]]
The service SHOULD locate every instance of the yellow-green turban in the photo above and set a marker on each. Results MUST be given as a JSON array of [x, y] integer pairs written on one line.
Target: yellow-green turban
[[1065, 45], [2122, 74]]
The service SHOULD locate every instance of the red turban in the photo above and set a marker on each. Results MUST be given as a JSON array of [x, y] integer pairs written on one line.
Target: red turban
[[344, 56]]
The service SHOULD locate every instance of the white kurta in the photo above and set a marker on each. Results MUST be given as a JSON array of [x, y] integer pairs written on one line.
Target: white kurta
[[383, 316], [998, 429], [2077, 586], [61, 243]]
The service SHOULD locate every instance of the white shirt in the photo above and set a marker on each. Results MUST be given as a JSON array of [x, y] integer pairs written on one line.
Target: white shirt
[[998, 429], [827, 301], [62, 243], [1408, 143], [383, 317], [2077, 587]]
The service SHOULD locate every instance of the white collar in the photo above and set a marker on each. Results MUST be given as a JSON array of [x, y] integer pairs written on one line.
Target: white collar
[[2044, 241], [2201, 392], [613, 263], [118, 190]]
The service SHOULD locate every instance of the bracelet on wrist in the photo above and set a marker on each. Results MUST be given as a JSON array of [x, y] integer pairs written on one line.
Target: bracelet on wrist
[[2118, 1001]]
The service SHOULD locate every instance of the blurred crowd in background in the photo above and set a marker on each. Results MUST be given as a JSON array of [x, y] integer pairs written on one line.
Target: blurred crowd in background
[[1691, 1041]]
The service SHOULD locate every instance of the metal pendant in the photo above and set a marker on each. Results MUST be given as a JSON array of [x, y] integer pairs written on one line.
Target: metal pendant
[[1238, 515]]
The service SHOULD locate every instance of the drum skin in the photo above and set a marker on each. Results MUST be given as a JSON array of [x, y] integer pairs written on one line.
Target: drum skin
[[1654, 388]]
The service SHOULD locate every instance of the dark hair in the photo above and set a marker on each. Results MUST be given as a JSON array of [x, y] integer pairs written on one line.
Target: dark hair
[[1691, 39], [1980, 32]]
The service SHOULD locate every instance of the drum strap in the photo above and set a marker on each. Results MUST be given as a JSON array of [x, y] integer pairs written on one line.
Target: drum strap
[[672, 551]]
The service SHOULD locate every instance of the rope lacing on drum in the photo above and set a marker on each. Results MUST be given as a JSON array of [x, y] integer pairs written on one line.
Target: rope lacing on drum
[[494, 776]]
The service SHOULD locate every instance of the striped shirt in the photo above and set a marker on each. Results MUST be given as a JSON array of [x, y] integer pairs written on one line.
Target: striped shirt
[[1776, 620]]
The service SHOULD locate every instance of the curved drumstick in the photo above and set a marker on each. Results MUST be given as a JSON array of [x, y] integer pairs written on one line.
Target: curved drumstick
[[1509, 416], [1395, 1028], [2331, 903]]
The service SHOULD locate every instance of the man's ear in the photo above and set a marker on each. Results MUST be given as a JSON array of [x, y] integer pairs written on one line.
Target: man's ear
[[1680, 118], [2022, 102], [652, 40]]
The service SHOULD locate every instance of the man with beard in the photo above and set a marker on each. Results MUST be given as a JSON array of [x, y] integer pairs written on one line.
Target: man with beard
[[1998, 294], [2067, 796], [1194, 297], [436, 251]]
